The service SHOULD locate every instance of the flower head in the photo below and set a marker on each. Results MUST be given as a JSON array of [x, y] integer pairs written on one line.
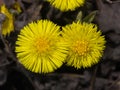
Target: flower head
[[65, 5], [85, 44], [17, 7], [40, 48], [7, 25]]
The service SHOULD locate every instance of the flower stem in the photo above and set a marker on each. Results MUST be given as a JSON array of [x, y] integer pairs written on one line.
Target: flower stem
[[93, 79]]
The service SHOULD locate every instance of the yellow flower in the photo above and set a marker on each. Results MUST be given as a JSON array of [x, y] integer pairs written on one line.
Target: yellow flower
[[65, 5], [7, 25], [39, 47], [16, 5], [85, 44]]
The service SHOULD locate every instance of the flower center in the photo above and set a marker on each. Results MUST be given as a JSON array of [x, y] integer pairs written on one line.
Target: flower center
[[80, 47], [41, 45]]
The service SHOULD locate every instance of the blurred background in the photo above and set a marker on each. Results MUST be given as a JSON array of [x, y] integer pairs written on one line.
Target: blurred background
[[103, 76]]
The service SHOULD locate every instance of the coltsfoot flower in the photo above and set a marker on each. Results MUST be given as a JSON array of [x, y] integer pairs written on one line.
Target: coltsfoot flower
[[85, 44], [7, 25], [65, 5], [39, 47]]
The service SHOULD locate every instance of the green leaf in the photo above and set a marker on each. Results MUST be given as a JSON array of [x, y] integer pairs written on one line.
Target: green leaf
[[79, 16], [90, 17]]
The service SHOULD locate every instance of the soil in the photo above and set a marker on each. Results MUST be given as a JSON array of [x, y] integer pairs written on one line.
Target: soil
[[103, 76]]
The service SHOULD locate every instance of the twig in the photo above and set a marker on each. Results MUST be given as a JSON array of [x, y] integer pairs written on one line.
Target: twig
[[100, 4], [109, 1], [114, 82], [79, 76]]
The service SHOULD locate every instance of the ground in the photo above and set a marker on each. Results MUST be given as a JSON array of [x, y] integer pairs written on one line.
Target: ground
[[103, 76]]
